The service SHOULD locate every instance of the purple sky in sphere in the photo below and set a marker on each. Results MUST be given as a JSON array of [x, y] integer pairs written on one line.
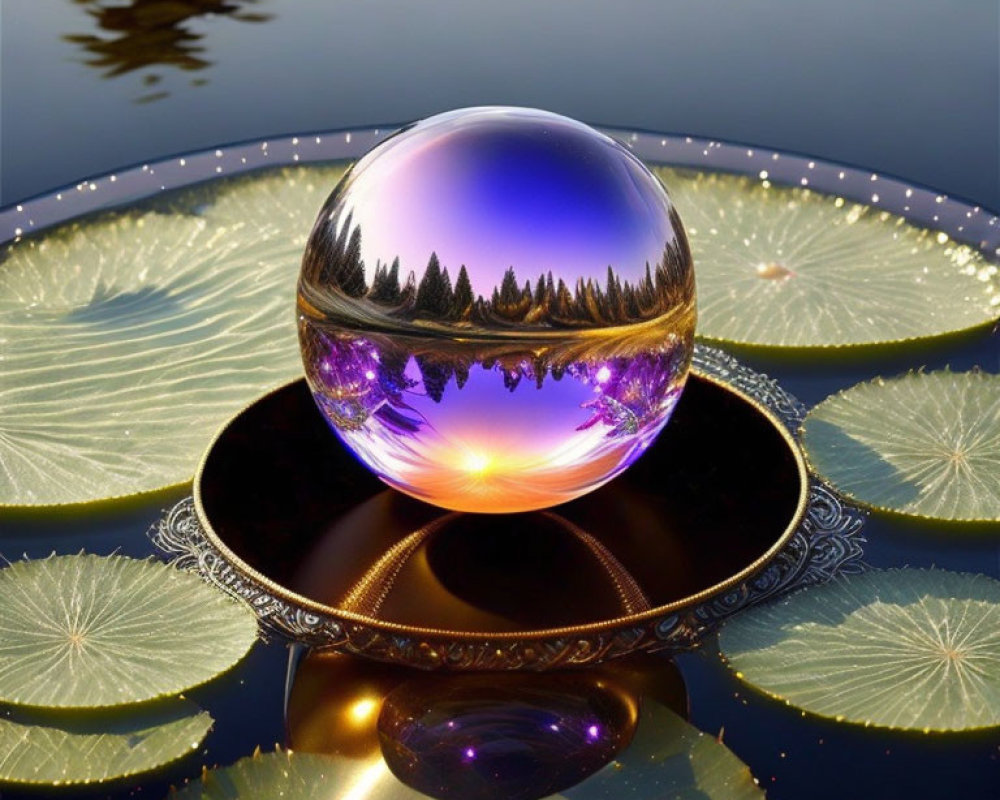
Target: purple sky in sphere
[[498, 187]]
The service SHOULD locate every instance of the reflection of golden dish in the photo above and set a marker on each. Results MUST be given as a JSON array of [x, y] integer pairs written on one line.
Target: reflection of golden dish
[[531, 725], [719, 513]]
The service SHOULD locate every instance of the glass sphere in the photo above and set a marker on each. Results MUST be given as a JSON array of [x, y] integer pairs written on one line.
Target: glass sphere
[[497, 309]]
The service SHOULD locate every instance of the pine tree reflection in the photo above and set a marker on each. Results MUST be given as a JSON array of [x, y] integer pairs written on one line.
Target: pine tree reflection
[[333, 270]]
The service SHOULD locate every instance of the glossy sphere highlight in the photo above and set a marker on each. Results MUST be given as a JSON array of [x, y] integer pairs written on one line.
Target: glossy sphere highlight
[[497, 309]]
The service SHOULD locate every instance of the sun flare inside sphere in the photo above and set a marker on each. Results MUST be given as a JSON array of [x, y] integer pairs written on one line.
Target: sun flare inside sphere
[[497, 309]]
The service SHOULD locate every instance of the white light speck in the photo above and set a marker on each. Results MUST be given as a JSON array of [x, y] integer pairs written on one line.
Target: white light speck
[[811, 165], [20, 208], [370, 375], [218, 154], [347, 138], [762, 174], [603, 374], [218, 169], [874, 198], [804, 181], [182, 162], [295, 140]]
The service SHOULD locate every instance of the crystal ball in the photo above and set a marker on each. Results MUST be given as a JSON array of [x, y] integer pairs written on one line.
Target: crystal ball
[[496, 309]]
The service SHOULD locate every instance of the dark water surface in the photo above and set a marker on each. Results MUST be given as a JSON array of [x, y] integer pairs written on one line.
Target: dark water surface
[[901, 88], [911, 89]]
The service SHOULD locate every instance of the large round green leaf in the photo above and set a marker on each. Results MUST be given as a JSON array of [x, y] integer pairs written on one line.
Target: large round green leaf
[[298, 776], [89, 631], [72, 751], [903, 648], [925, 444], [130, 338], [788, 267], [669, 758]]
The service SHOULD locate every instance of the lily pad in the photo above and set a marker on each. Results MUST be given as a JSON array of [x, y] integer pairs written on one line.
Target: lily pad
[[291, 776], [67, 752], [901, 648], [89, 631], [128, 339], [925, 444], [670, 758], [791, 268]]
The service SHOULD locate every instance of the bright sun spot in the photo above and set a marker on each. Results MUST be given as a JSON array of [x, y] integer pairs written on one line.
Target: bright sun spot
[[476, 463], [361, 710]]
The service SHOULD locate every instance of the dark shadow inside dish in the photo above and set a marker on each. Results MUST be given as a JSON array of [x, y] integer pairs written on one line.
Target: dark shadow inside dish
[[717, 490]]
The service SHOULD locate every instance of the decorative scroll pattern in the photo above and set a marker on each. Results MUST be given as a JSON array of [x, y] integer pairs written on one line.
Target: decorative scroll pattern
[[827, 542]]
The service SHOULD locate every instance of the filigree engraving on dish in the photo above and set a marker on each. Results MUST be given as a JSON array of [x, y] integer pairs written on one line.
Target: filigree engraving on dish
[[827, 542], [180, 537]]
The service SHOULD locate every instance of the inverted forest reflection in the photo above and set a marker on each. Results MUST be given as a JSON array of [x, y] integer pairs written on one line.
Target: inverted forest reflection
[[501, 424], [152, 34]]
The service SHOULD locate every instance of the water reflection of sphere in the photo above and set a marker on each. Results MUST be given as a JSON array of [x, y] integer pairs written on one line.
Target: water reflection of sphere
[[497, 309]]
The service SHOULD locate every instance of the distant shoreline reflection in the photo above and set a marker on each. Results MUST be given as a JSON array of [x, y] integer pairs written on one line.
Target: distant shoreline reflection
[[148, 34]]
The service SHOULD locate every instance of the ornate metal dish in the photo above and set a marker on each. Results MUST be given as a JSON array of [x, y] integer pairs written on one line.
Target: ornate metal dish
[[719, 514]]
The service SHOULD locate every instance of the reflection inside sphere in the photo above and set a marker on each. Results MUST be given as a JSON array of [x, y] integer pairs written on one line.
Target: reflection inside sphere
[[497, 310], [506, 426]]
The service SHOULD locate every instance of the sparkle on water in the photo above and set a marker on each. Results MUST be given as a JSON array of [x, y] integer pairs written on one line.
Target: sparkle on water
[[558, 353], [901, 648], [924, 444]]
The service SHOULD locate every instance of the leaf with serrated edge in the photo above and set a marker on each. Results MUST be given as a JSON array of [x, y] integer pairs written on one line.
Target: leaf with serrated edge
[[129, 338], [67, 752], [792, 268], [668, 757], [901, 648], [925, 444], [291, 776], [89, 631]]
